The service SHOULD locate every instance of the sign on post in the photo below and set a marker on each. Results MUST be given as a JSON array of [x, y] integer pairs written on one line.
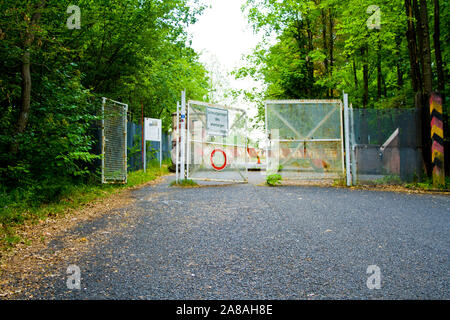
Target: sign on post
[[217, 121], [152, 132]]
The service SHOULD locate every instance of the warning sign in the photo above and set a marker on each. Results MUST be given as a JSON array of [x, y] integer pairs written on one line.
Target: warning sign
[[217, 121]]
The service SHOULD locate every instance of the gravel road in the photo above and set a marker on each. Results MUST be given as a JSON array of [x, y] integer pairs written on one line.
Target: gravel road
[[253, 242]]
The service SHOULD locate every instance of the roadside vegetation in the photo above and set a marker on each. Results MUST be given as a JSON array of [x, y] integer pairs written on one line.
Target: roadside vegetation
[[53, 78], [273, 180], [21, 206], [184, 183]]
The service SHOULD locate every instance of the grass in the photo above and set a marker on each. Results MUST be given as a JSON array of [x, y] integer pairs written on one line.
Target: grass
[[427, 184], [184, 183], [20, 206]]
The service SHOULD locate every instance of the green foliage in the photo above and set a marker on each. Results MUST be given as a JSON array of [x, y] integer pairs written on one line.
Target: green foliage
[[300, 65], [274, 179], [134, 51], [25, 205]]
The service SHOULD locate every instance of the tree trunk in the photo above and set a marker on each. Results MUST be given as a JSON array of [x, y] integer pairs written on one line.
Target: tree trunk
[[441, 81], [398, 41], [26, 76], [309, 63], [325, 47], [26, 93], [355, 75], [364, 53], [419, 34], [427, 86], [379, 75], [412, 48], [437, 49], [426, 67], [331, 45]]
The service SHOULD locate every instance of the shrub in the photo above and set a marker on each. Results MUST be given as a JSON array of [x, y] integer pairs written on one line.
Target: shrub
[[274, 180]]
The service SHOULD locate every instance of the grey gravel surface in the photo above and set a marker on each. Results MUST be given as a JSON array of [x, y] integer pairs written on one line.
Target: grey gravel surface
[[253, 242]]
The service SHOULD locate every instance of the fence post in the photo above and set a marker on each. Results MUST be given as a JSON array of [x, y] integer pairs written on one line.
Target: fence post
[[437, 140], [177, 146], [353, 146], [183, 133], [347, 141]]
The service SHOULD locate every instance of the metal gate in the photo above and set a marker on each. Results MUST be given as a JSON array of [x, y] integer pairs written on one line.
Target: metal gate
[[216, 143], [114, 141], [305, 139]]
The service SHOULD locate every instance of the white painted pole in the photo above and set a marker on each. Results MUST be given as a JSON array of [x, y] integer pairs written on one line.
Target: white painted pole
[[353, 146], [160, 143], [183, 134], [188, 143], [177, 135], [347, 141], [103, 140], [145, 147]]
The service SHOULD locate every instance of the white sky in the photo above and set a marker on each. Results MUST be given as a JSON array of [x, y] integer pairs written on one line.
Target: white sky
[[222, 36]]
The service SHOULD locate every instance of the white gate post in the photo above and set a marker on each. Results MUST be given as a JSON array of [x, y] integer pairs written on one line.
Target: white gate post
[[145, 147], [103, 140], [347, 141], [177, 148], [183, 134], [160, 144], [353, 147]]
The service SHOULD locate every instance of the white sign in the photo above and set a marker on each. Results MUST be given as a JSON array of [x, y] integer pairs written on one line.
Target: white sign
[[152, 130], [217, 121]]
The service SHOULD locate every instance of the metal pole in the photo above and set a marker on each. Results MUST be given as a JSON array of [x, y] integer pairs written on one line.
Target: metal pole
[[347, 141], [188, 146], [177, 147], [103, 140], [160, 144], [183, 134], [126, 146], [353, 146], [145, 146], [142, 131]]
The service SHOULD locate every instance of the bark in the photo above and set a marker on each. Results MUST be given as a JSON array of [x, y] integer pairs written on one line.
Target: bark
[[419, 34], [379, 75], [399, 65], [26, 75], [331, 44], [427, 86], [412, 47], [441, 80], [437, 49], [310, 64], [325, 46], [426, 67], [364, 52], [355, 75]]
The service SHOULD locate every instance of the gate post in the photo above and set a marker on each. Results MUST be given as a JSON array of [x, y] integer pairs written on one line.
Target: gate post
[[183, 134], [347, 141], [437, 140]]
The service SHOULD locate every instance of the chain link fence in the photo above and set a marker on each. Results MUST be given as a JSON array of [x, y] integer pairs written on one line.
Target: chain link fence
[[216, 143], [305, 139], [114, 141]]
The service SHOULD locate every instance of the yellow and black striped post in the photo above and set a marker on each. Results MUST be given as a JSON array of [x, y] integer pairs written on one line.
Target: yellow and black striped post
[[437, 140]]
